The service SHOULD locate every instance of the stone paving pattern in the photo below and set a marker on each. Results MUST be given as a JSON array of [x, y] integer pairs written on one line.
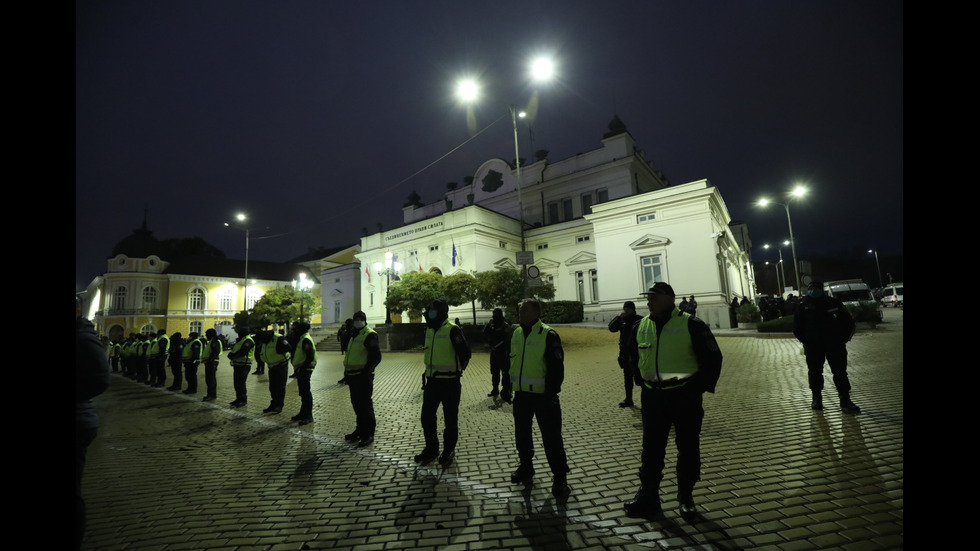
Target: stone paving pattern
[[168, 472]]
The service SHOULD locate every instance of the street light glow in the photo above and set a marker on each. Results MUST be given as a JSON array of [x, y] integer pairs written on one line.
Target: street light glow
[[467, 90], [542, 69]]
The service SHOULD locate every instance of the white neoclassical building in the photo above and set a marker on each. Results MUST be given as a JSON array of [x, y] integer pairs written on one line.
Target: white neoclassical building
[[602, 227]]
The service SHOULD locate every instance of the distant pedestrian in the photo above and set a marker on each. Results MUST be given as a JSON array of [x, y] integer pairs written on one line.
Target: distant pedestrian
[[824, 326], [692, 307], [497, 333], [623, 324]]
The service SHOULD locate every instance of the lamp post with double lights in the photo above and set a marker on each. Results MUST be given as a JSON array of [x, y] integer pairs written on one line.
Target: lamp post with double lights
[[776, 266], [303, 284], [541, 70], [781, 266], [881, 282], [388, 268], [798, 191], [241, 219]]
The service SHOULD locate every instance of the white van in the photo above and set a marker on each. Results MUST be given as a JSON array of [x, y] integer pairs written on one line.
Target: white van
[[892, 295], [851, 292]]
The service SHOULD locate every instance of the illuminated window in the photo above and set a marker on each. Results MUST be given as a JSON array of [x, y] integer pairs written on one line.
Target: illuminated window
[[196, 299], [149, 298], [226, 299], [652, 270]]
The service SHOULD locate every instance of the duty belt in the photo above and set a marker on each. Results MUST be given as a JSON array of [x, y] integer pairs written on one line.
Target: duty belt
[[673, 382], [280, 364]]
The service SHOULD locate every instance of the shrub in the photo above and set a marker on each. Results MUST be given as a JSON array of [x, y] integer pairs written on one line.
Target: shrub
[[748, 313], [778, 325], [865, 311], [562, 311]]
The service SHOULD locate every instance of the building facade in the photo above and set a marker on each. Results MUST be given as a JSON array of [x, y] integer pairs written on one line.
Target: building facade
[[602, 226]]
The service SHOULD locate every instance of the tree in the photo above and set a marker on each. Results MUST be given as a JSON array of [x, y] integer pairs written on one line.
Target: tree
[[413, 291], [282, 306], [460, 288], [504, 288]]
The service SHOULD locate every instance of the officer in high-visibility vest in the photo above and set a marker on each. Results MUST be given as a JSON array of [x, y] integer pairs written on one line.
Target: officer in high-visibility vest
[[446, 356], [190, 358], [177, 343], [362, 356], [304, 361], [115, 349], [241, 362], [210, 355], [675, 359], [158, 358], [274, 353], [536, 372]]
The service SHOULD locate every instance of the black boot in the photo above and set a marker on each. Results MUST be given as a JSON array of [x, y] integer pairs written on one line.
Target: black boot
[[846, 405], [817, 403], [646, 502]]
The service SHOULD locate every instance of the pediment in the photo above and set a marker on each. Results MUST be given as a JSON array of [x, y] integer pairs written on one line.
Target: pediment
[[583, 257], [649, 241], [505, 263]]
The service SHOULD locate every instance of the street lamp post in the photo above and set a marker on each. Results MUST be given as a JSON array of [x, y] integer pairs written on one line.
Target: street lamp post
[[881, 282], [302, 284], [776, 268], [390, 266], [241, 218], [799, 191], [541, 70]]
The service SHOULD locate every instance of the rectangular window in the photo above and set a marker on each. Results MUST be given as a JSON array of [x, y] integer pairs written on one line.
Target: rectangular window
[[587, 203], [601, 196], [594, 275], [580, 287], [226, 299], [542, 246], [646, 217], [652, 270], [553, 212], [502, 244], [566, 208], [583, 238], [433, 248]]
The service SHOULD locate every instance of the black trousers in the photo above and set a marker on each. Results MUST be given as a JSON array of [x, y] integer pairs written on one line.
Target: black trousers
[[499, 358], [547, 409], [211, 378], [305, 393], [239, 378], [445, 392], [627, 377], [836, 357], [680, 408], [190, 371], [178, 373], [361, 388], [83, 437], [278, 376]]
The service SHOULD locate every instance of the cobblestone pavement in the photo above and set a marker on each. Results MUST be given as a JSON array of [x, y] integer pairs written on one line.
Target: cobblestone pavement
[[168, 472]]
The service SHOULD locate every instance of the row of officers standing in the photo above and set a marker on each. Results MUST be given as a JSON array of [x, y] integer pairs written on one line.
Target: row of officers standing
[[672, 356]]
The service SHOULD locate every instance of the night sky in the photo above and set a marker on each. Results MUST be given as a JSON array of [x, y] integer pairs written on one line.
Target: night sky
[[318, 118]]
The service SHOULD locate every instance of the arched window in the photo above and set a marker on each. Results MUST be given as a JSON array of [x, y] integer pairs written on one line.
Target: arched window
[[149, 298], [226, 299], [253, 296], [197, 327], [148, 329], [118, 298], [196, 299]]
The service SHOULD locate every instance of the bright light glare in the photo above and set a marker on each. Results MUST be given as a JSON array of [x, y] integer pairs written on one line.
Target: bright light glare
[[798, 191], [763, 202], [467, 90], [240, 216], [542, 69]]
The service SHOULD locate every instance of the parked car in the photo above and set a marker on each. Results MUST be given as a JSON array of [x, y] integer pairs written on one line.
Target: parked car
[[852, 292], [892, 295]]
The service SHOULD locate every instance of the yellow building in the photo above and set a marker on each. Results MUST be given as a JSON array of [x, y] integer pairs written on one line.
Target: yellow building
[[142, 292]]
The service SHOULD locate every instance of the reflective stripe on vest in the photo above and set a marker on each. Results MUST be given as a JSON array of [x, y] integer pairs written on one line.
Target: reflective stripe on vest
[[671, 356], [356, 357], [527, 367], [440, 356]]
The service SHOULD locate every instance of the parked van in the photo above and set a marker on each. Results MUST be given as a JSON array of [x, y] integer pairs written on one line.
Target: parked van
[[851, 292], [892, 295]]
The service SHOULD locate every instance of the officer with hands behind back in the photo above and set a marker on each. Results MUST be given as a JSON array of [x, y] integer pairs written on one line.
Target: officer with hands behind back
[[675, 359], [446, 356]]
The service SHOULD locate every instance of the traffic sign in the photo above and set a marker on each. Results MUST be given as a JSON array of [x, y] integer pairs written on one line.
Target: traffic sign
[[533, 272]]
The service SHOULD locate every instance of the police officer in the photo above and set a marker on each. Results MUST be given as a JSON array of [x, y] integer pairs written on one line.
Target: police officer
[[210, 355], [623, 323], [824, 326], [190, 357], [274, 352], [362, 356], [241, 361], [115, 350], [497, 334], [675, 359], [304, 361], [446, 356], [537, 371], [175, 360]]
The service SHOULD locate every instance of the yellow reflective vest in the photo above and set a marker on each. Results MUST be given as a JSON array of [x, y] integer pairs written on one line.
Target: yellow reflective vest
[[440, 356], [299, 358], [269, 354], [247, 360], [356, 357], [527, 366], [669, 356]]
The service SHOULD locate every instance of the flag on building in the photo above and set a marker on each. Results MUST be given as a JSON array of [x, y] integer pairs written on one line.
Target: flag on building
[[367, 272], [454, 252]]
